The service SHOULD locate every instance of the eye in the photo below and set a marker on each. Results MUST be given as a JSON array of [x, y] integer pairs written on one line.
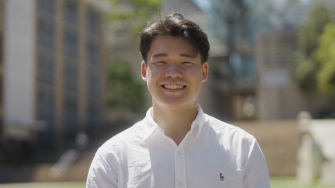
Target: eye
[[160, 63], [186, 63]]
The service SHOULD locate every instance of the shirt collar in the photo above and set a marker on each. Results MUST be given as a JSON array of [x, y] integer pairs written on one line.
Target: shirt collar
[[199, 120], [150, 125]]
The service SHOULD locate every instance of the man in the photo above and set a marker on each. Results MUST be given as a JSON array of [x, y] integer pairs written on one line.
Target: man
[[176, 144]]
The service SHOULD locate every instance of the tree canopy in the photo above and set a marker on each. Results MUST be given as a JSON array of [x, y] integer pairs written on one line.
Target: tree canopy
[[326, 57], [134, 13], [238, 20], [314, 65], [124, 92]]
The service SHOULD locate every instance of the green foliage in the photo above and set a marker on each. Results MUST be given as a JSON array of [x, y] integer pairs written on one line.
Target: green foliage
[[134, 13], [310, 31], [306, 66], [305, 70], [326, 56], [124, 92]]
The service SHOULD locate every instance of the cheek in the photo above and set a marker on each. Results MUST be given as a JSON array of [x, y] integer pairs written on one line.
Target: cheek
[[151, 77], [194, 74]]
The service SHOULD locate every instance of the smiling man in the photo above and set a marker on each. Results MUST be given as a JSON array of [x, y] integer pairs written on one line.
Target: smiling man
[[177, 144]]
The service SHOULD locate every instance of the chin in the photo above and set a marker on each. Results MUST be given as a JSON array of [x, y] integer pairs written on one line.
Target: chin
[[176, 104]]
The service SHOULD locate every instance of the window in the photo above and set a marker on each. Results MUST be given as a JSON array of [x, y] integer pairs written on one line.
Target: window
[[45, 106], [46, 33], [46, 69], [243, 66], [70, 114], [71, 44], [1, 91], [93, 85], [93, 53], [1, 48], [71, 11], [70, 76], [93, 116], [93, 21], [47, 6], [45, 113]]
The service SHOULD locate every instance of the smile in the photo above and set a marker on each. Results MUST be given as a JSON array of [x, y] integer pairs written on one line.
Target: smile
[[172, 86]]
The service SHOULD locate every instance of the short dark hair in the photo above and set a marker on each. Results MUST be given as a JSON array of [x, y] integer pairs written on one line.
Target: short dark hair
[[177, 26]]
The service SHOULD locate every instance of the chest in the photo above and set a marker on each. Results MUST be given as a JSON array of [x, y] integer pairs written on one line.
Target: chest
[[208, 166]]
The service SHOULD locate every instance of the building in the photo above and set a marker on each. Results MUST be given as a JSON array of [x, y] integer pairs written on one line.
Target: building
[[1, 60], [52, 64], [255, 81], [278, 97], [231, 87]]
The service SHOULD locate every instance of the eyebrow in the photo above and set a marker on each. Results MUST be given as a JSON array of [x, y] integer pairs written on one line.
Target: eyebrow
[[165, 55], [187, 55], [159, 55]]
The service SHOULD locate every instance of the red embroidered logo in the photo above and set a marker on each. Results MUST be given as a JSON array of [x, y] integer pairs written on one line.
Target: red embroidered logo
[[221, 177]]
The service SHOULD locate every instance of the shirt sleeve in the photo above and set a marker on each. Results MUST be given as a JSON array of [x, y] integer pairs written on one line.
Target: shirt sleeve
[[255, 172], [103, 172]]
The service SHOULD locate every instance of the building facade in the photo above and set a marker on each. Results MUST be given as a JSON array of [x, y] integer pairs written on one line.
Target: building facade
[[278, 97], [53, 67], [1, 60]]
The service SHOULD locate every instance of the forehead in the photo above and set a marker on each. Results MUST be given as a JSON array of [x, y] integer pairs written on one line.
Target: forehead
[[170, 46]]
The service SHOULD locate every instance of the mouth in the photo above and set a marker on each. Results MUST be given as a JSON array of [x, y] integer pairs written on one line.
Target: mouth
[[173, 86]]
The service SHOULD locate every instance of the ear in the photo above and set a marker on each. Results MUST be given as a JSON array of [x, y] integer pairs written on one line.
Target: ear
[[204, 71], [144, 71]]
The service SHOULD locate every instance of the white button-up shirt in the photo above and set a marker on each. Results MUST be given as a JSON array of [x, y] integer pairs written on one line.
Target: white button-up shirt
[[213, 154]]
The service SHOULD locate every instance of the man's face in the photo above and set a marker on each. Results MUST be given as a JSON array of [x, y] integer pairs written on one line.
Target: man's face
[[173, 72]]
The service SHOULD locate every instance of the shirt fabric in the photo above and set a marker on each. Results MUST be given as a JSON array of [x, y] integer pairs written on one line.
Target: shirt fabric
[[213, 154]]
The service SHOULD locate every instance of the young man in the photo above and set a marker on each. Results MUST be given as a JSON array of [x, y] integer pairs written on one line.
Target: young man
[[176, 144]]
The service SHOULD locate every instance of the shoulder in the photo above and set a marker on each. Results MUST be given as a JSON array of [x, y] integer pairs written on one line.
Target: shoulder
[[233, 139], [122, 140], [227, 131]]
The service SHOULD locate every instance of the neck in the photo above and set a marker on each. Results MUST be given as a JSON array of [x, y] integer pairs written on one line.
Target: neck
[[175, 122]]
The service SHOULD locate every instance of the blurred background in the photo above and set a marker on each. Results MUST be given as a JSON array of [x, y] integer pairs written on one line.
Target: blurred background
[[70, 80]]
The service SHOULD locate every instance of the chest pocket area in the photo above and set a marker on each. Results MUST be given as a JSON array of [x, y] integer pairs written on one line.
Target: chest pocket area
[[139, 169]]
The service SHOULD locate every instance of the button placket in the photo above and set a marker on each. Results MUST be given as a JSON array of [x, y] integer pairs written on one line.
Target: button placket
[[180, 167]]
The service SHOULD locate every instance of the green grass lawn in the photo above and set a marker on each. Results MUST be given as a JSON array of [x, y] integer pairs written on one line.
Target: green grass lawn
[[276, 182]]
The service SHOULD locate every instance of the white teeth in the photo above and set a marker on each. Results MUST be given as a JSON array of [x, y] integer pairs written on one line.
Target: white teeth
[[169, 86]]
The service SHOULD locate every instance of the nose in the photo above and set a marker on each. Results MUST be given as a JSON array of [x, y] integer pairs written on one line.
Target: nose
[[173, 71]]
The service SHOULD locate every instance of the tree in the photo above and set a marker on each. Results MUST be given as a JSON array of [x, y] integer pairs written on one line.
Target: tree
[[236, 23], [127, 18], [133, 14], [238, 19], [233, 17], [124, 92], [325, 55], [305, 64]]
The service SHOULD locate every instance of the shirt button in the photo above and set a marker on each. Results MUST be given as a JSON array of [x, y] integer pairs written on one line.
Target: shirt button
[[179, 152], [180, 184]]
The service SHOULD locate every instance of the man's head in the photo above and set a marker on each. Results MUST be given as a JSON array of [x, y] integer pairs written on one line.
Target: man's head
[[176, 26], [174, 65]]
